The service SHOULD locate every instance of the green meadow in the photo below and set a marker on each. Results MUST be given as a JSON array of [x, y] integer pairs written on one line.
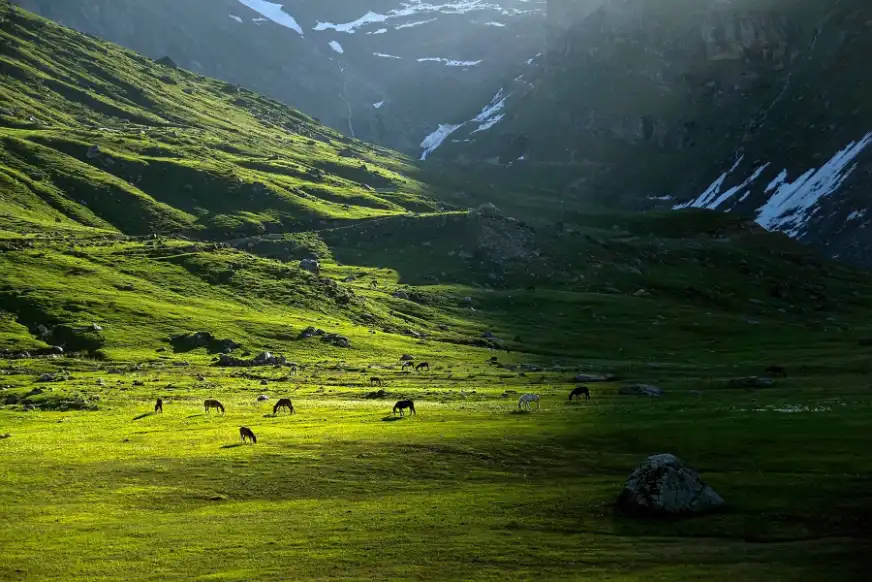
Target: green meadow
[[140, 202]]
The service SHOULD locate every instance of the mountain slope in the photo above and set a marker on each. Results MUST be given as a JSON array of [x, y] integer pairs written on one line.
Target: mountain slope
[[383, 71], [646, 103], [142, 201], [110, 131]]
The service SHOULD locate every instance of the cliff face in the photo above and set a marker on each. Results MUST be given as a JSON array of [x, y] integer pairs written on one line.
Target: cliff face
[[384, 71], [639, 103]]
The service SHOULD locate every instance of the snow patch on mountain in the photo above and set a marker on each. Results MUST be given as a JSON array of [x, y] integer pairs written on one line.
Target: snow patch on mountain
[[494, 23], [435, 139], [416, 23], [793, 203], [236, 18], [273, 12], [386, 56], [490, 115], [413, 7], [378, 105], [790, 204], [449, 62], [336, 47], [379, 31]]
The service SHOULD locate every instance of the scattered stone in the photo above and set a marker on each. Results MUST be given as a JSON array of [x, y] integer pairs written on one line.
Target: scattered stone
[[264, 382], [311, 265], [400, 294], [641, 390], [340, 341], [61, 376], [664, 485], [138, 383], [262, 398], [641, 293], [5, 436], [375, 395]]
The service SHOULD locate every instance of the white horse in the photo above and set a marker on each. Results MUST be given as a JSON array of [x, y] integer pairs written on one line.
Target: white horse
[[526, 399]]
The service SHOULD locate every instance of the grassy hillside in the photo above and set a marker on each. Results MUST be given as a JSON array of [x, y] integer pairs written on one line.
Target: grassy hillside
[[193, 214]]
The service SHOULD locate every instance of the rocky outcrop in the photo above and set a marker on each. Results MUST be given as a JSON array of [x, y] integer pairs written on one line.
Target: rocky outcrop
[[753, 108], [663, 485]]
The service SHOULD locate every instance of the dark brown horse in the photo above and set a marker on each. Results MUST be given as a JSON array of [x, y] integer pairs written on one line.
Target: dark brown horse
[[247, 433], [158, 406], [284, 403], [407, 366], [422, 366], [209, 404], [375, 381], [776, 371], [579, 392], [402, 404]]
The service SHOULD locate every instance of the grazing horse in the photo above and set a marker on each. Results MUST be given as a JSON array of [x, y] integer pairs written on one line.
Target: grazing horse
[[284, 403], [404, 404], [422, 366], [208, 404], [158, 406], [375, 381], [776, 371], [525, 400], [580, 391], [406, 366], [247, 433]]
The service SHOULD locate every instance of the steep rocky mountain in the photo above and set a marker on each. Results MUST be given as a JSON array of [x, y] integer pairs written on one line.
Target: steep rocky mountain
[[754, 107], [385, 71]]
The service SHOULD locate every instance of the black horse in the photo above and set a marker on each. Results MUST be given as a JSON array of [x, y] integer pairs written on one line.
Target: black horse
[[284, 403], [158, 406], [422, 366], [402, 404], [580, 391], [247, 433]]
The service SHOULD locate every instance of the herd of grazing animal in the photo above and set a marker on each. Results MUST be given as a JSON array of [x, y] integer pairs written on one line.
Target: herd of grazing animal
[[524, 402]]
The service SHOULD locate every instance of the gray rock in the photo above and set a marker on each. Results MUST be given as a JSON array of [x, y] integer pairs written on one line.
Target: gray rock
[[311, 265], [400, 294], [664, 485], [640, 390], [262, 398]]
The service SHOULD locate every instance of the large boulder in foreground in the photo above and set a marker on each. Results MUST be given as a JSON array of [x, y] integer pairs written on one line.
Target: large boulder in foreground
[[663, 485]]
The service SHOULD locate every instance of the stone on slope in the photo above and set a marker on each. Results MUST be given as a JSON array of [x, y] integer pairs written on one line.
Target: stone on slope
[[664, 485]]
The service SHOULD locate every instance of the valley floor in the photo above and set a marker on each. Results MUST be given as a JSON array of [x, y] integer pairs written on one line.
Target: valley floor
[[468, 489]]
